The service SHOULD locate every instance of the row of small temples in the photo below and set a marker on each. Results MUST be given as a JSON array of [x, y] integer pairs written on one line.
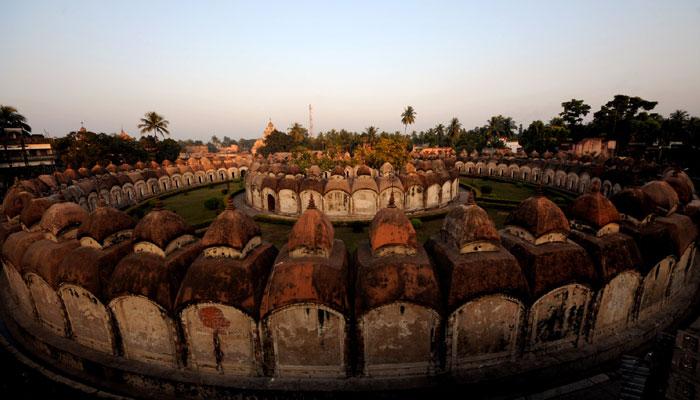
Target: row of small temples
[[152, 293], [284, 188]]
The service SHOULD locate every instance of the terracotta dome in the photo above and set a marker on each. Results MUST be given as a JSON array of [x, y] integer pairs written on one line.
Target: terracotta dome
[[338, 170], [595, 210], [469, 229], [161, 228], [32, 213], [391, 232], [231, 230], [15, 200], [662, 196], [98, 169], [538, 220], [314, 170], [364, 170], [634, 203], [312, 234], [139, 165], [83, 172], [125, 167], [105, 226], [70, 173], [62, 218], [681, 183]]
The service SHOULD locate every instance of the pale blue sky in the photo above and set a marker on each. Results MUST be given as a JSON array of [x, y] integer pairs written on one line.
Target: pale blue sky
[[225, 67]]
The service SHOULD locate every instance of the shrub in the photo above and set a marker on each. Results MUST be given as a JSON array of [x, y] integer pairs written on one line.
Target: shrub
[[417, 223], [486, 189], [213, 203]]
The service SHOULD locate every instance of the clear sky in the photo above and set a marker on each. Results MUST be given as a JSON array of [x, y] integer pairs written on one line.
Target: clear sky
[[225, 67]]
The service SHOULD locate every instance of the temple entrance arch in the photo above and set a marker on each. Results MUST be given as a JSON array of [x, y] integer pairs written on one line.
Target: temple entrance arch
[[270, 202]]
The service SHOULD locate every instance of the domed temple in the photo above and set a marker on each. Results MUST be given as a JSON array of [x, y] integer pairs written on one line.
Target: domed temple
[[151, 304]]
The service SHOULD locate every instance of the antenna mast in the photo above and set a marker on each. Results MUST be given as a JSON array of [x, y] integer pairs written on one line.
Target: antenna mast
[[311, 121]]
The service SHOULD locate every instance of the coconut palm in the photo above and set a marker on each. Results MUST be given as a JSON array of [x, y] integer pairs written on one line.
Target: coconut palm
[[10, 118], [453, 130], [371, 132], [154, 123], [440, 134], [408, 118]]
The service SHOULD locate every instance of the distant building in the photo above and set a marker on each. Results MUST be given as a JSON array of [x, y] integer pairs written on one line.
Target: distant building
[[511, 145], [21, 149], [229, 149], [421, 151], [595, 147], [261, 142], [197, 149]]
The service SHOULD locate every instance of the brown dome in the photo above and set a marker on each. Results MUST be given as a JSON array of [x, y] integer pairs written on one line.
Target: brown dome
[[32, 213], [391, 232], [595, 210], [312, 234], [338, 170], [83, 172], [104, 222], [233, 229], [160, 227], [62, 217], [538, 216], [15, 200], [364, 170], [681, 183], [139, 165], [633, 202], [662, 196], [467, 225]]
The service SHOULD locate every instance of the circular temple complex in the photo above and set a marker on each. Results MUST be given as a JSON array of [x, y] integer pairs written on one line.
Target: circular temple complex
[[145, 305]]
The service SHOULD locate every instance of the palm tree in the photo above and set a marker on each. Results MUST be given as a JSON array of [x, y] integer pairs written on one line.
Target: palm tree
[[453, 130], [155, 123], [10, 118], [371, 132], [408, 117], [440, 134]]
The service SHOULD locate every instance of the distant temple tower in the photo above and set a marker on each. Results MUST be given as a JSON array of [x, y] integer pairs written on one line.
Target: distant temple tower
[[261, 142]]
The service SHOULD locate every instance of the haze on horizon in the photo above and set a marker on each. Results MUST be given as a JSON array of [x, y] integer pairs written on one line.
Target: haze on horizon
[[224, 68]]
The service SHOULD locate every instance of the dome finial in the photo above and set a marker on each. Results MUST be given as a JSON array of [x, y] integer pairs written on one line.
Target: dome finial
[[392, 203], [158, 206], [539, 190], [470, 198], [312, 204]]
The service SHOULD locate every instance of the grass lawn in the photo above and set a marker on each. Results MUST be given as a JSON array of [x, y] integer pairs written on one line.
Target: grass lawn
[[190, 205], [500, 190]]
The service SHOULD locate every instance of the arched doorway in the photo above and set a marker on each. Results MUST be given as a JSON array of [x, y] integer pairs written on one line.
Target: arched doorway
[[270, 202]]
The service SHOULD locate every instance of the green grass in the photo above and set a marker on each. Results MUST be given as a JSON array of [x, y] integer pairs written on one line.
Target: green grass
[[501, 190], [190, 205]]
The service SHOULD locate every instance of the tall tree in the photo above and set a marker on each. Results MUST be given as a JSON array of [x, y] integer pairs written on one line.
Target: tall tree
[[152, 122], [438, 134], [453, 130], [615, 119], [298, 133], [500, 126], [408, 117], [574, 111], [371, 132], [11, 118]]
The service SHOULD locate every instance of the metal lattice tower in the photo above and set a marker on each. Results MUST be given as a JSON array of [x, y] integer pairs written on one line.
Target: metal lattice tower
[[311, 121]]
